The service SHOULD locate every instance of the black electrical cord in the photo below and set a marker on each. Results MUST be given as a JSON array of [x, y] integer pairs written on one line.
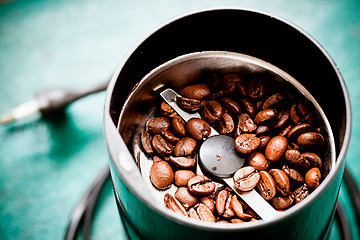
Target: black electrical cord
[[340, 216], [86, 204]]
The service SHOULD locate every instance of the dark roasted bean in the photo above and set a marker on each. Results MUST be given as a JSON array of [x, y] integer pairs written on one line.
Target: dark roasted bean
[[281, 119], [197, 128], [221, 200], [300, 113], [201, 185], [266, 185], [167, 111], [238, 209], [311, 140], [156, 125], [312, 178], [226, 124], [274, 101], [294, 158], [184, 196], [178, 125], [293, 174], [231, 106], [184, 147], [285, 131], [258, 161], [245, 124], [300, 194], [161, 146], [263, 142], [212, 111], [146, 140], [276, 148], [299, 129], [161, 174], [174, 205], [169, 136], [257, 87], [197, 91], [313, 159], [247, 143], [246, 178], [282, 202], [248, 107], [189, 104], [262, 130], [183, 162], [281, 180], [264, 116]]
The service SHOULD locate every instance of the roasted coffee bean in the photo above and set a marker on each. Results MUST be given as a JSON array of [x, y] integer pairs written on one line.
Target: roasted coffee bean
[[274, 101], [300, 194], [313, 159], [258, 161], [246, 124], [189, 104], [311, 141], [239, 81], [257, 87], [266, 185], [184, 196], [183, 162], [264, 116], [293, 146], [229, 84], [167, 111], [161, 146], [214, 82], [169, 136], [293, 174], [246, 178], [223, 204], [178, 126], [156, 125], [247, 143], [312, 178], [252, 214], [238, 209], [300, 113], [182, 177], [197, 128], [281, 180], [299, 129], [161, 174], [282, 202], [146, 142], [204, 213], [193, 214], [212, 111], [209, 202], [294, 158], [184, 147], [222, 221], [197, 91], [281, 119], [226, 124], [248, 107], [285, 131], [201, 185], [259, 104], [174, 205], [231, 106], [276, 148], [263, 142], [262, 130]]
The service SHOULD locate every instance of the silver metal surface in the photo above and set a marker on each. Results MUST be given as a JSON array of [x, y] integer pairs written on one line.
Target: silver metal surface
[[143, 102]]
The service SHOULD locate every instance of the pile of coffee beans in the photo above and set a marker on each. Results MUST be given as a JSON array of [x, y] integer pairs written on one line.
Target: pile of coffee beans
[[274, 129]]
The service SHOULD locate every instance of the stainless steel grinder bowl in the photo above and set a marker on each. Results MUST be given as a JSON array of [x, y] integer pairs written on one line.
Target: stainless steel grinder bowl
[[256, 34]]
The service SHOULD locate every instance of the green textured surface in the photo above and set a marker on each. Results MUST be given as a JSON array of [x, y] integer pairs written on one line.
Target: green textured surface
[[47, 164]]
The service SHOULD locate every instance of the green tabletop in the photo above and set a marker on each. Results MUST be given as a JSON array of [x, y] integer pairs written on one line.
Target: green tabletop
[[47, 164]]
